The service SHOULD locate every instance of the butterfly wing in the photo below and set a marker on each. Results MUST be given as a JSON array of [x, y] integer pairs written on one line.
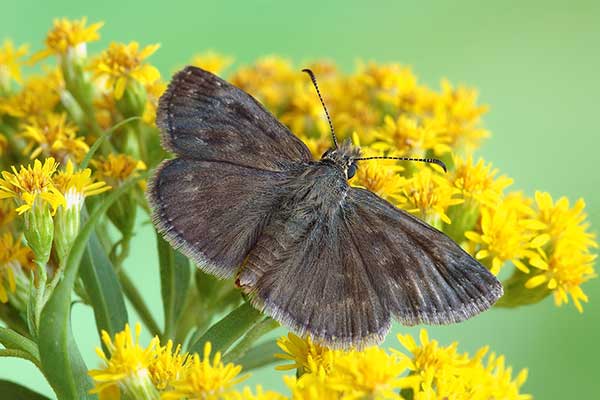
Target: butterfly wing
[[339, 266], [423, 275], [201, 116], [213, 211]]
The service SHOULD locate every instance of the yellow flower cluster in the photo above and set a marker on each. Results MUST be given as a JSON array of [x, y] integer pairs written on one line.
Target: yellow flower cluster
[[157, 371], [424, 371]]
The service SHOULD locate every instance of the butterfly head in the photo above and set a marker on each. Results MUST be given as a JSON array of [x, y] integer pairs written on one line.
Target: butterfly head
[[344, 157]]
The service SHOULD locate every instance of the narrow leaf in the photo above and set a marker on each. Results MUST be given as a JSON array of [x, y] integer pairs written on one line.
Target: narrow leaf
[[229, 329], [62, 363], [12, 340], [14, 391], [256, 332], [260, 356], [102, 286], [105, 135], [174, 284]]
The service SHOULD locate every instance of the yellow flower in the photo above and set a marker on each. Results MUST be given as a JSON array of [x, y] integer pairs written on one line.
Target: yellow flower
[[153, 92], [408, 136], [478, 181], [10, 63], [504, 234], [440, 372], [14, 257], [564, 223], [205, 379], [39, 95], [213, 62], [304, 113], [115, 168], [428, 359], [428, 195], [380, 177], [122, 63], [31, 183], [168, 365], [567, 254], [371, 373], [76, 186], [314, 386], [247, 394], [270, 80], [52, 135], [126, 365], [304, 353], [68, 37], [457, 110]]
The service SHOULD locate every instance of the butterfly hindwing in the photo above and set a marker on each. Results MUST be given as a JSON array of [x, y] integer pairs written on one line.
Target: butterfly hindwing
[[201, 116], [213, 211], [423, 276], [340, 262]]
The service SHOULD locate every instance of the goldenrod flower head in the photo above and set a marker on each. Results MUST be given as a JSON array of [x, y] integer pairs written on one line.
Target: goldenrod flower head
[[246, 394], [563, 222], [212, 61], [205, 379], [69, 37], [53, 135], [440, 372], [269, 79], [478, 181], [121, 63], [371, 373], [456, 108], [381, 177], [31, 183], [115, 168], [429, 357], [153, 92], [504, 234], [304, 113], [14, 257], [428, 195], [313, 386], [406, 135], [168, 365], [77, 185], [306, 356], [10, 63], [126, 364], [39, 95]]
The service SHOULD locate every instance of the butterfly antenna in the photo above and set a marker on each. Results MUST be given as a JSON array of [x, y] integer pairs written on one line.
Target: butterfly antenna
[[426, 160], [314, 81]]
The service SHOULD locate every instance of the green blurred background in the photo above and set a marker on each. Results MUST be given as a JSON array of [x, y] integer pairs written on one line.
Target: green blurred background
[[536, 63]]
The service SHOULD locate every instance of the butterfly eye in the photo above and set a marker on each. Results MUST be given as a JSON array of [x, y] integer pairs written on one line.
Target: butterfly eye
[[351, 171]]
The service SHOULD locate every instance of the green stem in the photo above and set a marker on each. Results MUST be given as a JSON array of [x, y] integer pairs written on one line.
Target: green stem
[[138, 303], [259, 330]]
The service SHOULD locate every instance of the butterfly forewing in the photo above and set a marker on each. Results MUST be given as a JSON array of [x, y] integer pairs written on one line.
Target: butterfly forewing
[[204, 117]]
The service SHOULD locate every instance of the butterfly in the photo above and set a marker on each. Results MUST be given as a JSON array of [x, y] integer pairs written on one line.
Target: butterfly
[[244, 198]]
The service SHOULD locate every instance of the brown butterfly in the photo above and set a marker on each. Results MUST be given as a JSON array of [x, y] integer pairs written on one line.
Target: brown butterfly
[[245, 198]]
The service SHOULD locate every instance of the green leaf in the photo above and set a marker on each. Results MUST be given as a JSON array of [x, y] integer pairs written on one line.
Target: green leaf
[[12, 340], [175, 278], [14, 391], [256, 332], [260, 356], [62, 363], [229, 329], [103, 288]]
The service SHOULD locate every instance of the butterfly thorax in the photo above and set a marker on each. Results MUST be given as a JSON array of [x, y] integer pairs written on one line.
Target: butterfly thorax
[[344, 157]]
